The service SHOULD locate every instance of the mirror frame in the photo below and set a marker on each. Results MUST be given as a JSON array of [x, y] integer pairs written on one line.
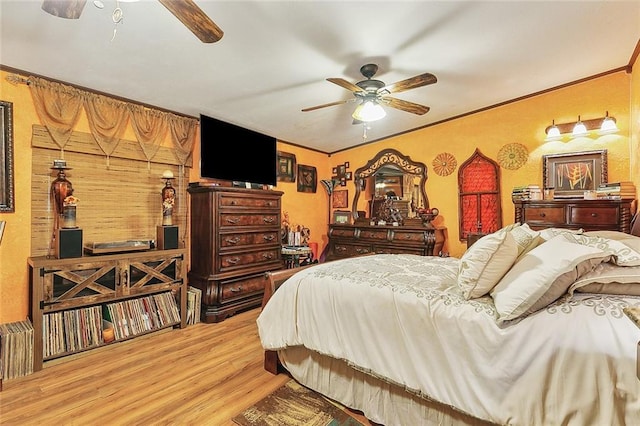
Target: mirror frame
[[387, 157], [7, 201]]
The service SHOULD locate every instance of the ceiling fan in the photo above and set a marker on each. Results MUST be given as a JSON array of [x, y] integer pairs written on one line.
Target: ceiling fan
[[185, 10], [373, 93]]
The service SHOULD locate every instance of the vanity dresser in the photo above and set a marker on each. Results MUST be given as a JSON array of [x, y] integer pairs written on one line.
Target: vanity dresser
[[377, 233]]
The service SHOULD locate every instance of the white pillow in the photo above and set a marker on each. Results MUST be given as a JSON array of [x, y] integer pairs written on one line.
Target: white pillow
[[623, 254], [486, 261], [542, 276], [549, 233], [526, 238]]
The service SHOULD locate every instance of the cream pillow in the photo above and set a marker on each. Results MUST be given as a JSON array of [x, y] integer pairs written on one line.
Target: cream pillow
[[627, 239], [623, 254], [526, 238], [486, 261], [543, 275], [611, 279], [549, 233]]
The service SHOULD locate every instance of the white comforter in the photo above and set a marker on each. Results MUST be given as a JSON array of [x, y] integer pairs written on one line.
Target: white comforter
[[403, 319]]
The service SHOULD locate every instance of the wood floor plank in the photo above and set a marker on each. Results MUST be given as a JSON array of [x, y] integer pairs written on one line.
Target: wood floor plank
[[204, 374]]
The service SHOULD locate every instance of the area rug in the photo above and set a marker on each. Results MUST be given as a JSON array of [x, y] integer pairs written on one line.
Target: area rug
[[293, 405]]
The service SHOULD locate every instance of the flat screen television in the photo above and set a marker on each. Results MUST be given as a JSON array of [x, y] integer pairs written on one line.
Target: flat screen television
[[233, 153]]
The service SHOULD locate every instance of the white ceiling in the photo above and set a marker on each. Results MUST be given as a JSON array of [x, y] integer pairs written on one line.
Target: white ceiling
[[275, 56]]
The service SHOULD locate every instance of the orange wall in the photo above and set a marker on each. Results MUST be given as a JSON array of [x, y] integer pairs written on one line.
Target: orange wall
[[521, 122]]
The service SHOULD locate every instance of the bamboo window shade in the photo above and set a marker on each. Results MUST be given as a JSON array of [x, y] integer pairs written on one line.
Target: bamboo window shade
[[120, 198]]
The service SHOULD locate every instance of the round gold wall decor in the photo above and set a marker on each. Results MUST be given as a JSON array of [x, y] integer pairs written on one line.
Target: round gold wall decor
[[444, 164], [512, 156]]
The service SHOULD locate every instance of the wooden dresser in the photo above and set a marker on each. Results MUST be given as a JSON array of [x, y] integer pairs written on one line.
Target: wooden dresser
[[590, 215], [356, 240], [235, 239]]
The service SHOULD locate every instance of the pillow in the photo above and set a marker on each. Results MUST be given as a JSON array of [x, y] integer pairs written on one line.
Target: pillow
[[526, 238], [611, 279], [623, 254], [486, 261], [626, 239], [542, 276], [549, 233]]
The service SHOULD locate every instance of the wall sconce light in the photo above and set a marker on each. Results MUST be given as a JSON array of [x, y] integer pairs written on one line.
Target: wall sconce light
[[369, 110], [604, 125]]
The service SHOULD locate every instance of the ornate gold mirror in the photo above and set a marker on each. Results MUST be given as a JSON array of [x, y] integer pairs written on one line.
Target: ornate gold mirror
[[390, 175]]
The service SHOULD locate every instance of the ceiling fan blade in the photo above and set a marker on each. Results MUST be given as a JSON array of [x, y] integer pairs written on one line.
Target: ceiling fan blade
[[410, 83], [406, 105], [194, 19], [326, 105], [347, 85], [69, 9]]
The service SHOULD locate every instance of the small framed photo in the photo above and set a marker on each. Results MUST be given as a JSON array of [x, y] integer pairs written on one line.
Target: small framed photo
[[307, 178], [340, 199], [348, 176], [571, 174], [341, 216], [346, 164], [286, 167], [342, 170], [334, 170], [343, 181]]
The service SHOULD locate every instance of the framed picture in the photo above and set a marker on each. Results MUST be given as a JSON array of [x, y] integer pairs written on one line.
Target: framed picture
[[572, 173], [307, 178], [6, 157], [348, 176], [342, 170], [341, 216], [340, 199], [286, 167]]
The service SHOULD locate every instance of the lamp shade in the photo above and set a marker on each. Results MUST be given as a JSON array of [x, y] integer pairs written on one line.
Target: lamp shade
[[579, 129], [553, 133], [608, 125], [369, 111]]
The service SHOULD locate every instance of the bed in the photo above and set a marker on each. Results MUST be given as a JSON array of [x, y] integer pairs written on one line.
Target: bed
[[526, 328]]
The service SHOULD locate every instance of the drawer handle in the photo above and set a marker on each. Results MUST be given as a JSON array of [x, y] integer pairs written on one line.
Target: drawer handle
[[542, 214], [268, 237], [236, 289], [234, 260], [362, 251], [235, 240], [268, 204], [268, 220], [232, 220], [267, 256], [233, 202], [594, 214]]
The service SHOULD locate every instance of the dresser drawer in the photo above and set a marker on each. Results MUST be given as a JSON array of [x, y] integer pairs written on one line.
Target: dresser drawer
[[241, 288], [249, 201], [593, 215], [553, 215], [256, 238], [244, 259], [343, 232], [351, 250], [249, 219], [381, 234], [400, 236], [399, 249]]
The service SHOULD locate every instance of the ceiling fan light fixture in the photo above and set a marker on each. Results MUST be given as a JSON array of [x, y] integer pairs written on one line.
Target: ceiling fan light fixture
[[369, 111], [579, 129]]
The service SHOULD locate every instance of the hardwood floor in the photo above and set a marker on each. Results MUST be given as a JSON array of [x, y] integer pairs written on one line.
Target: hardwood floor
[[204, 374]]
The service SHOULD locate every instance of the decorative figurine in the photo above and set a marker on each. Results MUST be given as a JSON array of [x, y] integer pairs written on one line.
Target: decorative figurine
[[168, 198]]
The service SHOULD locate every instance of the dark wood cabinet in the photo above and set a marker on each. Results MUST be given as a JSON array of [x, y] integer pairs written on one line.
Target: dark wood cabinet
[[235, 239], [590, 215], [356, 240]]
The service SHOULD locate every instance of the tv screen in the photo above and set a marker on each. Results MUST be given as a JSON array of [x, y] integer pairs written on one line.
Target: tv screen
[[233, 153]]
